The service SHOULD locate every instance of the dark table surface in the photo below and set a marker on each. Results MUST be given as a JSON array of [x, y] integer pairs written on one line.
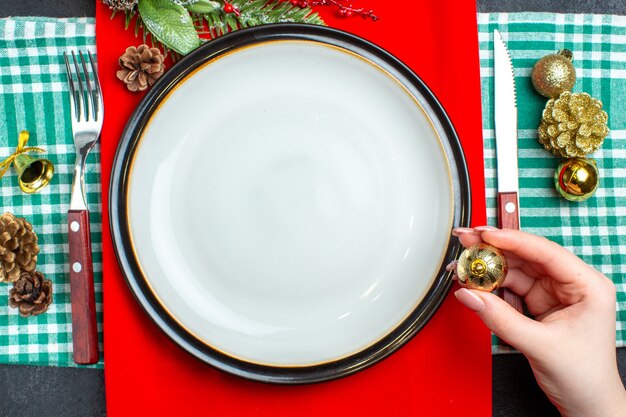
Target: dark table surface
[[70, 392]]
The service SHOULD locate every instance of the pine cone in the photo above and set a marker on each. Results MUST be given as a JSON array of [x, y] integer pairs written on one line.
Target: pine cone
[[18, 247], [121, 5], [573, 125], [141, 67], [31, 293]]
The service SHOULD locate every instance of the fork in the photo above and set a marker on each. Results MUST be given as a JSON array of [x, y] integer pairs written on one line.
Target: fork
[[87, 113]]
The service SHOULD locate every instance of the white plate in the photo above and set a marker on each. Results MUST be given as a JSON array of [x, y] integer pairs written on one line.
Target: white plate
[[289, 202]]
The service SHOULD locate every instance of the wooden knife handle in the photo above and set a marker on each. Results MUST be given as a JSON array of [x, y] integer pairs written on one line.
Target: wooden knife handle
[[508, 218], [84, 326], [508, 211]]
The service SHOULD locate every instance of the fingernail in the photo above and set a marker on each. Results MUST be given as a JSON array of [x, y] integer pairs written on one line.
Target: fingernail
[[458, 231], [469, 299], [451, 266], [480, 229]]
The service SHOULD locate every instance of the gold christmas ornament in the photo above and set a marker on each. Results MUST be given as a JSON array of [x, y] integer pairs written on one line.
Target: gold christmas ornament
[[554, 74], [573, 125], [18, 247], [481, 267], [33, 173], [577, 179]]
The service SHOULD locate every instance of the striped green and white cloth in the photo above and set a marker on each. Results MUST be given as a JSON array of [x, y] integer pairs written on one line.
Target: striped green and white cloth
[[595, 229], [33, 96]]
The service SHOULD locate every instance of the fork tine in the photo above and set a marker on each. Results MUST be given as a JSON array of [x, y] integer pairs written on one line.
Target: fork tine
[[91, 102], [97, 91], [74, 109], [83, 104]]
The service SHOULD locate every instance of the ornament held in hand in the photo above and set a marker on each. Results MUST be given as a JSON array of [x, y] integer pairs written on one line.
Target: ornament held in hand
[[141, 66], [481, 267], [31, 294], [18, 247], [573, 125], [553, 74], [577, 179]]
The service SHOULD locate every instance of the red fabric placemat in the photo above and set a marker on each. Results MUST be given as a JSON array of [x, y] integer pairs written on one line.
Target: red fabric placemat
[[445, 370]]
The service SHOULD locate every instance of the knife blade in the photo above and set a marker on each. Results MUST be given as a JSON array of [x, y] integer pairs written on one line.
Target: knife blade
[[505, 114]]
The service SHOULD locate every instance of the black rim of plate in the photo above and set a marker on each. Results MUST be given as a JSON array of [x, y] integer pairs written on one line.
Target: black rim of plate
[[121, 232]]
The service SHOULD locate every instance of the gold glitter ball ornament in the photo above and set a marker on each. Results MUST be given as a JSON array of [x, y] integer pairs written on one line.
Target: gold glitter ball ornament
[[577, 179], [482, 267], [554, 74], [573, 125]]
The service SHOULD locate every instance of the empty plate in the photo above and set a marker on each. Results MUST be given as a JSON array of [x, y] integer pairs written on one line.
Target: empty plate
[[282, 202]]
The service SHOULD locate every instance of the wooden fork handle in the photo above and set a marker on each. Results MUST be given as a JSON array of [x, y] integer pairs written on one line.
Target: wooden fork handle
[[508, 218], [84, 326]]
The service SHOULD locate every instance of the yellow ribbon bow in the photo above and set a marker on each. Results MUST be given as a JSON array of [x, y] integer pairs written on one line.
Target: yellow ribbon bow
[[22, 140]]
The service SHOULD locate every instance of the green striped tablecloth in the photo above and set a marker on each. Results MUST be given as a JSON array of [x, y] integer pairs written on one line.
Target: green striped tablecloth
[[595, 229], [33, 96]]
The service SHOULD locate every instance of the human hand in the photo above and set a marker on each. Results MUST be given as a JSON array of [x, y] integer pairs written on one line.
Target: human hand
[[570, 344]]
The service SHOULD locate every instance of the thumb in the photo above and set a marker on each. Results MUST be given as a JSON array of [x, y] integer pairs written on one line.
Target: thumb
[[504, 321]]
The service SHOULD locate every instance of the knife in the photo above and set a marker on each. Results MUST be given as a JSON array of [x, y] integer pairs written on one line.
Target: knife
[[505, 113]]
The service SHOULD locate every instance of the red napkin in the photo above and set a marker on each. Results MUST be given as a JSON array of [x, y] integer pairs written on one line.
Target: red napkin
[[445, 370]]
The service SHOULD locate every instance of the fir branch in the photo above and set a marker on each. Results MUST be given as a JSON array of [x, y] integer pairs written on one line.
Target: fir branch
[[210, 19], [257, 12]]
